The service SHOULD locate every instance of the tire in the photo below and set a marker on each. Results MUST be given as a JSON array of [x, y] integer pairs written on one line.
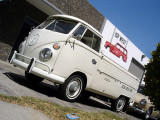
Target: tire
[[118, 104], [33, 78], [148, 114], [72, 88]]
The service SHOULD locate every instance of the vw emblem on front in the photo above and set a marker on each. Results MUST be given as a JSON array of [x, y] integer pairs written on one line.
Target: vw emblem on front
[[33, 40]]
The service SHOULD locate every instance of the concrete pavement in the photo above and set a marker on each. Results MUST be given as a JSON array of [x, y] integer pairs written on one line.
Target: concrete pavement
[[13, 83], [9, 111]]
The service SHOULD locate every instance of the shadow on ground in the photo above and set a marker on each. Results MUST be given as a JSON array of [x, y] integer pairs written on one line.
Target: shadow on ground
[[50, 90], [42, 87], [138, 115]]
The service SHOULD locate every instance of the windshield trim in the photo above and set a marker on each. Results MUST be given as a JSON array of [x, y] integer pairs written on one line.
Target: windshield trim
[[51, 21]]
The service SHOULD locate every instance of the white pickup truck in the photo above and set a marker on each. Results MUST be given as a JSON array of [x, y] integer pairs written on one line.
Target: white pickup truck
[[66, 50]]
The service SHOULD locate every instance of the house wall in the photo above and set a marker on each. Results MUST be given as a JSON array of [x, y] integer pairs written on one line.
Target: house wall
[[11, 20], [81, 9], [113, 35], [109, 34]]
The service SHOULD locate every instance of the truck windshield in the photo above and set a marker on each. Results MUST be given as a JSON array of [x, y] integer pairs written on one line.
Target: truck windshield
[[58, 25], [44, 24]]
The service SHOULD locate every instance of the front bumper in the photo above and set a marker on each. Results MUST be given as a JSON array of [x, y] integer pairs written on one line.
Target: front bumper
[[135, 109], [31, 65]]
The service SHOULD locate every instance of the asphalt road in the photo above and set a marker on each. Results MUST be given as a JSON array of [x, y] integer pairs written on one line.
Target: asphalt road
[[14, 83]]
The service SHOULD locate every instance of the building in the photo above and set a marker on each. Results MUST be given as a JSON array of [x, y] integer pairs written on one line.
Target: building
[[19, 16], [135, 59]]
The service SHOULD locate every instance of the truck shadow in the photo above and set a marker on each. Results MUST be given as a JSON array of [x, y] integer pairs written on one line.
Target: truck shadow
[[50, 90], [43, 88]]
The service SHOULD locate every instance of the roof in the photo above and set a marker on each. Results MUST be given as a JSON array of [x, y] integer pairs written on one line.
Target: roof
[[75, 19]]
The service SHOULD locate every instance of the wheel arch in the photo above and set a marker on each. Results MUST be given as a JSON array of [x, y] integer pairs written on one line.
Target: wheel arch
[[127, 98], [127, 101], [82, 75]]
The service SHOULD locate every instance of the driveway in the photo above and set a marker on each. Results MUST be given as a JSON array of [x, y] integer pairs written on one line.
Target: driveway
[[14, 83], [15, 112]]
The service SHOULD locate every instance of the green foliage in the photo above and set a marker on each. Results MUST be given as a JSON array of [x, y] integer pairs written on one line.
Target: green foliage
[[152, 78]]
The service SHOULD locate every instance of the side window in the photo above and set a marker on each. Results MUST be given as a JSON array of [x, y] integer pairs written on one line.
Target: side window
[[79, 31], [91, 40], [96, 43], [87, 38]]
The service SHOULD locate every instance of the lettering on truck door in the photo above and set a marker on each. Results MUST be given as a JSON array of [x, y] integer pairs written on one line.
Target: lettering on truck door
[[111, 81]]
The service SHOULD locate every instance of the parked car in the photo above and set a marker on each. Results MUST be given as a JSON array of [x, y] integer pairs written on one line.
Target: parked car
[[117, 50], [66, 50], [144, 106]]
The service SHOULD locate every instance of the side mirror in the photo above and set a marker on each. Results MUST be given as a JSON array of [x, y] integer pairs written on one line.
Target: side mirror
[[78, 37]]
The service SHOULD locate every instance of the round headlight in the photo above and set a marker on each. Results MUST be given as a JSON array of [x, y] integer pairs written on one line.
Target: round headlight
[[46, 54], [143, 102]]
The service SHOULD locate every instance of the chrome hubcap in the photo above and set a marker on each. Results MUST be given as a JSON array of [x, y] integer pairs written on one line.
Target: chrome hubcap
[[120, 104], [74, 88]]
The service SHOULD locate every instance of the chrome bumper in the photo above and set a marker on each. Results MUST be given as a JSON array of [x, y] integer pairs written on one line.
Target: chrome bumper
[[18, 60], [134, 108]]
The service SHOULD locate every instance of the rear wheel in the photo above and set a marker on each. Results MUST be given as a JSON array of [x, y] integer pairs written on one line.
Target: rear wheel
[[33, 78], [72, 88], [118, 104]]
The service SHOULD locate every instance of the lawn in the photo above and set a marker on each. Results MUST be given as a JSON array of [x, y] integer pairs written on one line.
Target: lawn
[[58, 112]]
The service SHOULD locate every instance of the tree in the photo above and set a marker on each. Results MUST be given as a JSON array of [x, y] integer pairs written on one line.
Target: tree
[[152, 78]]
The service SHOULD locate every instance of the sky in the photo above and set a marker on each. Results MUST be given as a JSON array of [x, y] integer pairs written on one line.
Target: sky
[[138, 20]]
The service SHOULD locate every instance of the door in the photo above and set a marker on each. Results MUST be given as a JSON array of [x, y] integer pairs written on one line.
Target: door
[[136, 69], [25, 29], [79, 55]]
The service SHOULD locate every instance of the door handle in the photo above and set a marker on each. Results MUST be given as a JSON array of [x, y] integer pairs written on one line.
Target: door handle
[[94, 61]]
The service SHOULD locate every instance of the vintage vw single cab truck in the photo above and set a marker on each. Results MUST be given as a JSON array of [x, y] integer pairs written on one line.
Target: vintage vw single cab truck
[[66, 50]]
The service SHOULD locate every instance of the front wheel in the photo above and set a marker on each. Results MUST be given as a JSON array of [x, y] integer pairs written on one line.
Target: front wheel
[[118, 104], [72, 88]]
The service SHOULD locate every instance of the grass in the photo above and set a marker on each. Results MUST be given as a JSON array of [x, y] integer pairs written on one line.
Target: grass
[[58, 112]]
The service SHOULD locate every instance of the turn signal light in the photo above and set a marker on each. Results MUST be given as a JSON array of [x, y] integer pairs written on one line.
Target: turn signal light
[[56, 46]]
